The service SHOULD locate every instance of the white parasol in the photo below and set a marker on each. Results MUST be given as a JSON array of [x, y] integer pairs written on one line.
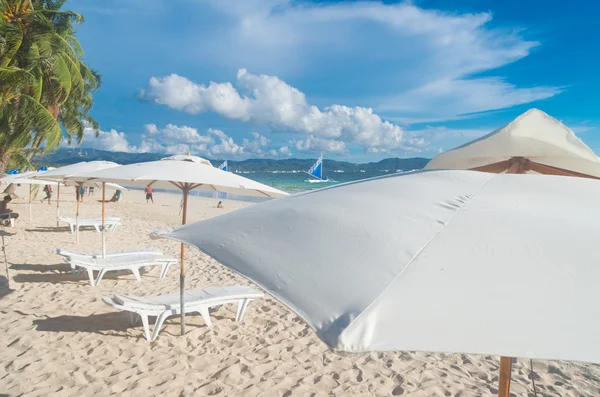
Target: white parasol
[[378, 265]]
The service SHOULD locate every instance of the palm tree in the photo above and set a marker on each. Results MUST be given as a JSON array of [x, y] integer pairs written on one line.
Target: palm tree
[[45, 82]]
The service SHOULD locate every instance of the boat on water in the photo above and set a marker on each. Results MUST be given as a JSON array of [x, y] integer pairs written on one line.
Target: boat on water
[[316, 172]]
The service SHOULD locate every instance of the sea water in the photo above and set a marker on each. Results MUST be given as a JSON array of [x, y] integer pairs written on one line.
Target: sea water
[[288, 182]]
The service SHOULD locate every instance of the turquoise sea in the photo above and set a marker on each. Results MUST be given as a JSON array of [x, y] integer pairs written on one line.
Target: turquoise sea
[[296, 182], [288, 182]]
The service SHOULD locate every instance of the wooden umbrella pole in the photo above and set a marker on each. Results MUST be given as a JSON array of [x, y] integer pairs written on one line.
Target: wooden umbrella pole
[[103, 234], [57, 204], [77, 214], [504, 379], [186, 191], [30, 186], [5, 258]]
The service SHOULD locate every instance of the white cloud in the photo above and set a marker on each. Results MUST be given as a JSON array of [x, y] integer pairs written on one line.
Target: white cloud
[[269, 100], [112, 141], [429, 56], [317, 144], [173, 139]]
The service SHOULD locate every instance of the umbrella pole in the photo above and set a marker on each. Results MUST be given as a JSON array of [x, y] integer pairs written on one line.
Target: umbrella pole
[[186, 190], [57, 205], [77, 216], [5, 259], [504, 379], [103, 235], [30, 202]]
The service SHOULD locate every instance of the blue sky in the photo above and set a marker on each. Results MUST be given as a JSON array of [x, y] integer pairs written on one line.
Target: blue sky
[[356, 80]]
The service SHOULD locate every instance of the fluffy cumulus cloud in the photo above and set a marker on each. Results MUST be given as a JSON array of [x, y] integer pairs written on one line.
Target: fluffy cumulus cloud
[[112, 141], [269, 100], [175, 139]]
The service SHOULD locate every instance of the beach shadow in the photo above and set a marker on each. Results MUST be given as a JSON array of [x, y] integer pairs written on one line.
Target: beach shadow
[[103, 324], [61, 267], [4, 290], [51, 229], [66, 277], [6, 234]]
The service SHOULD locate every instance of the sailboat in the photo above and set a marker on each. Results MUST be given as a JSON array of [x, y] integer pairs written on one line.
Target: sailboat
[[316, 171], [223, 167]]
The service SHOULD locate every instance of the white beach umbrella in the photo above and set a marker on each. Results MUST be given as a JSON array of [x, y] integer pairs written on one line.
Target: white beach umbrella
[[26, 178], [440, 261], [532, 143], [185, 173], [62, 175]]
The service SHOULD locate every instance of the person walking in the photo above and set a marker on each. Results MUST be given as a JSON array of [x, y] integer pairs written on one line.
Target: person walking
[[48, 191], [149, 194]]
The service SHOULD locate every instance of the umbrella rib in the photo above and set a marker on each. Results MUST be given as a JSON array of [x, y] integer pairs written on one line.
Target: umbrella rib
[[550, 170], [419, 253], [494, 167]]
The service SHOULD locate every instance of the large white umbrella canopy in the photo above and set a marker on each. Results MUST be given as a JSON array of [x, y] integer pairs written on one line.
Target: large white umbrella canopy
[[186, 173], [441, 261], [532, 143], [62, 175]]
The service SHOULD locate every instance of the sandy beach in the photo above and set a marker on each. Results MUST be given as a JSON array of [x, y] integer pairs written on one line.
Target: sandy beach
[[58, 338]]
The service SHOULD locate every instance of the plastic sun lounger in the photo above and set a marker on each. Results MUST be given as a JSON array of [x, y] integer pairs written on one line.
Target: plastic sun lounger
[[199, 301], [109, 254], [110, 223], [128, 262]]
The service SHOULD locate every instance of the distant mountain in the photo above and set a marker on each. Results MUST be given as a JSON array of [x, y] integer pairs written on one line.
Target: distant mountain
[[71, 156]]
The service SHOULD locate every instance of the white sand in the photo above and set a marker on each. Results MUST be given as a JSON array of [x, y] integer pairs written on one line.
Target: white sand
[[58, 338]]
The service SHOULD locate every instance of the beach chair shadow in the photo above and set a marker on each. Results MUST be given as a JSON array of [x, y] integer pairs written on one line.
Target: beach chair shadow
[[61, 267], [51, 229], [65, 277], [104, 324]]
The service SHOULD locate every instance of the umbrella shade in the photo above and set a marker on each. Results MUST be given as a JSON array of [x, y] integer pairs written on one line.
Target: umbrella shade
[[172, 173], [63, 174], [186, 173], [443, 261], [533, 143]]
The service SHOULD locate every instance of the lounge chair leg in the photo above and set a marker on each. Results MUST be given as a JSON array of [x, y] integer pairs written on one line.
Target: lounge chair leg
[[100, 275], [160, 319], [72, 227], [242, 309], [144, 318], [114, 227], [136, 273], [165, 269], [203, 310], [90, 273]]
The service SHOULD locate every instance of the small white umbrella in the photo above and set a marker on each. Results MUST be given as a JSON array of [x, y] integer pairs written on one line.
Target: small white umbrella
[[532, 143], [185, 173], [26, 178], [62, 175], [437, 261]]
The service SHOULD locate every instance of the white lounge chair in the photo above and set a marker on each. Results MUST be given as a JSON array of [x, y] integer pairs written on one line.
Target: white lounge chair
[[132, 263], [109, 254], [110, 223], [199, 301]]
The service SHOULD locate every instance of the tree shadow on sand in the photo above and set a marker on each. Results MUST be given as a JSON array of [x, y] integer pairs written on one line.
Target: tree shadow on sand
[[4, 290]]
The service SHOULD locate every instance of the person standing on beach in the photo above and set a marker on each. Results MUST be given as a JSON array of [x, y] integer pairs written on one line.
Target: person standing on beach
[[82, 193], [91, 191], [149, 194], [48, 191]]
